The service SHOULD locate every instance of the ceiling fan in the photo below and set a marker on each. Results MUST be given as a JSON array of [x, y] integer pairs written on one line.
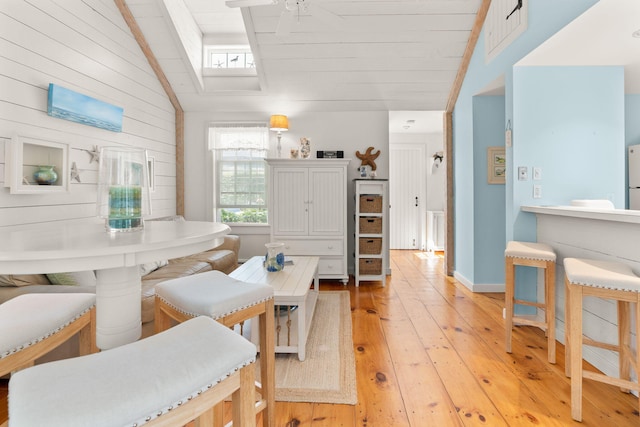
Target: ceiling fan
[[291, 12]]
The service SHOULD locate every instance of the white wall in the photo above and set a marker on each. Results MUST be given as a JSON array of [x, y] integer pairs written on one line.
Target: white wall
[[85, 46], [348, 131]]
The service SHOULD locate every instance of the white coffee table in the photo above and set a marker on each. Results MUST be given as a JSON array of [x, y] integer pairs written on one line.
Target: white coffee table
[[296, 285]]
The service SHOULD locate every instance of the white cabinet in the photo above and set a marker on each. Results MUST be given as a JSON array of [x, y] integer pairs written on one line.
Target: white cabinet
[[308, 211], [371, 230]]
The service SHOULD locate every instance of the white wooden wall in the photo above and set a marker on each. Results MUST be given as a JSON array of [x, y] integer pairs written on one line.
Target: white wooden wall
[[85, 46]]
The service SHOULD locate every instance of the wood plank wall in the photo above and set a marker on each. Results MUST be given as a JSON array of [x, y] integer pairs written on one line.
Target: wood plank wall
[[85, 46]]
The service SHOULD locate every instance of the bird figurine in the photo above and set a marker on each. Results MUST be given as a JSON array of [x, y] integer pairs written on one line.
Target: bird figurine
[[515, 9], [368, 158]]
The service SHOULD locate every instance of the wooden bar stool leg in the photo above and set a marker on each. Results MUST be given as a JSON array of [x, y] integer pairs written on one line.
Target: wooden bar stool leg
[[567, 329], [550, 309], [243, 399], [267, 363], [624, 341], [575, 315], [509, 295], [637, 358]]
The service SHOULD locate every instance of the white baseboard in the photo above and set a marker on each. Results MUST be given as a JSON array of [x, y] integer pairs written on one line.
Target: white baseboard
[[480, 287]]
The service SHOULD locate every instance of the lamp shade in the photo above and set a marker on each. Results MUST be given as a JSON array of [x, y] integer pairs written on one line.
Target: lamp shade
[[279, 123], [123, 188]]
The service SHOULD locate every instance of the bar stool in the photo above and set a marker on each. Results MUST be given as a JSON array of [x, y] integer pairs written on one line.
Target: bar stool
[[32, 325], [230, 302], [167, 379], [609, 280], [537, 255]]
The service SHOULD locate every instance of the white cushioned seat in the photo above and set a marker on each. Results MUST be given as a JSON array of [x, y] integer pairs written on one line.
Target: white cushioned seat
[[28, 319], [230, 302], [212, 294], [614, 282], [601, 274], [530, 250], [541, 256], [132, 384]]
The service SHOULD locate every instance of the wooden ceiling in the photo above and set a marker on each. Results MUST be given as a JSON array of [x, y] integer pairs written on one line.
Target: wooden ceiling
[[373, 55]]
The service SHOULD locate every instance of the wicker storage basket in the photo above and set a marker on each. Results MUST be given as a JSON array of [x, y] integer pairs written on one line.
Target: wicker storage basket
[[370, 203], [370, 245], [370, 266], [370, 225]]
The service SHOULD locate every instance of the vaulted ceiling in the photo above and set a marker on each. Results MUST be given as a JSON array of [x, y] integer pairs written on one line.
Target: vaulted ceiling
[[340, 55]]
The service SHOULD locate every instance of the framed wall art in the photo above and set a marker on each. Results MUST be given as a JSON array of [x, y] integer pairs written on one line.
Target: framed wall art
[[496, 165]]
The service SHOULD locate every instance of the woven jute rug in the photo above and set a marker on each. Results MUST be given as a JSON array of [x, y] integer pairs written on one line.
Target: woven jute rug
[[328, 373]]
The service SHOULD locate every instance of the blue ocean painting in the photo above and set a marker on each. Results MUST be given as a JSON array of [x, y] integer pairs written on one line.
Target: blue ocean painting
[[66, 104]]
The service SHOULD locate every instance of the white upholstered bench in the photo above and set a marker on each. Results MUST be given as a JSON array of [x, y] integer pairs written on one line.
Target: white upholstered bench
[[32, 325], [229, 301], [167, 379]]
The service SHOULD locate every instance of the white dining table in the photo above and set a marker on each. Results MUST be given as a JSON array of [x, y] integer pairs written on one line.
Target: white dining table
[[80, 245]]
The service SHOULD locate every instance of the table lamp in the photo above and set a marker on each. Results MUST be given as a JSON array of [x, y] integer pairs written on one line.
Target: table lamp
[[123, 188], [279, 123]]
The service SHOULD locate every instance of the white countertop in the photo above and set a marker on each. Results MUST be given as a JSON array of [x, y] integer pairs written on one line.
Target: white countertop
[[617, 215]]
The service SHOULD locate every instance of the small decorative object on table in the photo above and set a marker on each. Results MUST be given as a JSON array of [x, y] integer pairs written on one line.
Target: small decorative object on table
[[123, 188], [294, 153], [45, 175], [274, 260], [305, 148]]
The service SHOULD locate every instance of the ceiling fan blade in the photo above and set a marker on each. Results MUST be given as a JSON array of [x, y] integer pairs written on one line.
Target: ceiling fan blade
[[324, 15], [285, 24], [249, 3]]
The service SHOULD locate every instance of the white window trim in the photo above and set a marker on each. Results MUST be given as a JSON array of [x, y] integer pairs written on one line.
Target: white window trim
[[212, 184]]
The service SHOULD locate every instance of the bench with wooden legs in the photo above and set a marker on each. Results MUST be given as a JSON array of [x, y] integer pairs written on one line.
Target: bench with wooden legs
[[230, 302], [32, 325], [168, 379]]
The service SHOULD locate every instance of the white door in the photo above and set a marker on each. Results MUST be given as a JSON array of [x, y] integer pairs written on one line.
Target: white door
[[407, 195]]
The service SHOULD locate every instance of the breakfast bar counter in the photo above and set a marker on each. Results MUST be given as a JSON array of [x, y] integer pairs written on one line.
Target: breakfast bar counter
[[602, 234]]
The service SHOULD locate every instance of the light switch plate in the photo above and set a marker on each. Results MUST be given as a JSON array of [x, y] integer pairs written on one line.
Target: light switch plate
[[523, 173], [537, 191], [537, 174]]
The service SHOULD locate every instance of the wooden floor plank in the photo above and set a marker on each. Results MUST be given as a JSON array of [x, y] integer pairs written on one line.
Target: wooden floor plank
[[379, 399]]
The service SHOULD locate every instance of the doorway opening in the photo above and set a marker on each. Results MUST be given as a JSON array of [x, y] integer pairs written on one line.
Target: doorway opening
[[417, 180]]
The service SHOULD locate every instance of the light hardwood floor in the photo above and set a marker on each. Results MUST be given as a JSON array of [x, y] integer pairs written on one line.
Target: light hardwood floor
[[431, 353]]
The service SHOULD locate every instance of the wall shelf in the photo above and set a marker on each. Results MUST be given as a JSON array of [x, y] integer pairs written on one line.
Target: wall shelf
[[25, 154]]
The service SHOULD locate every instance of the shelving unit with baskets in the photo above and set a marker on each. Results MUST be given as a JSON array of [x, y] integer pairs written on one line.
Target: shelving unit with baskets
[[371, 238]]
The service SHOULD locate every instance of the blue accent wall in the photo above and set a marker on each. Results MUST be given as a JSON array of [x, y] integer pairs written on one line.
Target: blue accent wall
[[570, 122], [489, 218], [546, 17]]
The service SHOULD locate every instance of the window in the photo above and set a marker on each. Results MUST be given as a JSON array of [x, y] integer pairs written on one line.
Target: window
[[239, 150], [228, 57], [231, 60]]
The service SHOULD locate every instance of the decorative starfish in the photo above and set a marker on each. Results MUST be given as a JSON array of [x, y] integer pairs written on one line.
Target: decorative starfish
[[368, 158], [95, 154], [75, 174]]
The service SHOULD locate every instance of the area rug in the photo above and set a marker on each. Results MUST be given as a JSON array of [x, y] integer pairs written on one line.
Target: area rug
[[328, 373]]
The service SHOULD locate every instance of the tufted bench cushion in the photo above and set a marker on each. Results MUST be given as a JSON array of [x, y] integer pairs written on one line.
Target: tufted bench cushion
[[132, 384]]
